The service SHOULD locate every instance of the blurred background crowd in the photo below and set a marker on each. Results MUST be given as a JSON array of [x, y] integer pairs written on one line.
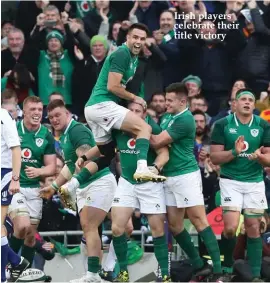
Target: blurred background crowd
[[56, 49]]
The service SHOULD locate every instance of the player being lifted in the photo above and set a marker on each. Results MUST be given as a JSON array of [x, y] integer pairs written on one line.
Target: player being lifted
[[95, 195], [103, 113], [234, 141], [148, 197], [183, 187], [10, 184], [38, 161]]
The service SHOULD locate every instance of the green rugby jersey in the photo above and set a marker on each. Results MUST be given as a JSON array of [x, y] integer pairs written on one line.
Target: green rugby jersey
[[121, 61], [256, 134], [34, 145], [76, 135], [128, 154], [182, 129]]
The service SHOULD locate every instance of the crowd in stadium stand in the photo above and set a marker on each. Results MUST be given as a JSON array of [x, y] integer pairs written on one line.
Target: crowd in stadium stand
[[56, 49]]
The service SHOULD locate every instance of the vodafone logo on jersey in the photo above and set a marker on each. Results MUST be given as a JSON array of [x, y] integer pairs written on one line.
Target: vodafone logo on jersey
[[131, 143], [26, 153], [246, 146]]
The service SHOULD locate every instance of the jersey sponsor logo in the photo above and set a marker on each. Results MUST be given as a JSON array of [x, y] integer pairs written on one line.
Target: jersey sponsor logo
[[246, 147], [254, 132], [39, 142], [131, 143], [129, 151], [26, 153], [4, 196], [232, 131]]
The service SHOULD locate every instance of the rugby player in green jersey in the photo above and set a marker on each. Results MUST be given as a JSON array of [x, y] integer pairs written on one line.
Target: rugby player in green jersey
[[38, 161], [235, 138], [94, 196], [103, 114], [183, 187], [148, 196]]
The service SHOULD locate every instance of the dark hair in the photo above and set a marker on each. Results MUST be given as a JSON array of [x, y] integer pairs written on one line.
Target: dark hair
[[23, 76], [7, 94], [199, 112], [168, 11], [199, 96], [33, 99], [110, 35], [54, 104], [157, 93], [6, 22], [178, 88], [139, 26]]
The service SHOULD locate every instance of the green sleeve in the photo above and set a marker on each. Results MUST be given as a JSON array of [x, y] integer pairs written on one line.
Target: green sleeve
[[120, 60], [50, 148], [266, 134], [156, 130], [3, 83], [181, 128], [217, 136], [80, 135]]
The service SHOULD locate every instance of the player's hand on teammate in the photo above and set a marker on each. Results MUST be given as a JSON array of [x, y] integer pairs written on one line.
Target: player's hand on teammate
[[260, 156], [140, 101], [14, 187], [32, 172], [239, 145], [79, 164], [47, 192]]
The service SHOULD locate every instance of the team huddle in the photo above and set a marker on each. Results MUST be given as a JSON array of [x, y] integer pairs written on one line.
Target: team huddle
[[159, 171]]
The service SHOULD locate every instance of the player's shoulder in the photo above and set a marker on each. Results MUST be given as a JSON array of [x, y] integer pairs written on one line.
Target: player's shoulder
[[5, 116], [261, 122], [120, 52], [223, 122]]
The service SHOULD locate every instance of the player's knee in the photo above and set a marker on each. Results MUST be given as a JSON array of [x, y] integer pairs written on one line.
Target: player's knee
[[175, 227], [129, 229], [229, 232], [117, 229]]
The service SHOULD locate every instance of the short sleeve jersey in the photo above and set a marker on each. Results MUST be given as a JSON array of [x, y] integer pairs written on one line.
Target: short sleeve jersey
[[120, 61], [76, 135], [182, 129], [256, 134], [128, 154], [34, 145], [9, 138]]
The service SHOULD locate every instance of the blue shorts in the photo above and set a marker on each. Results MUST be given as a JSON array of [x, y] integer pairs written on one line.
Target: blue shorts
[[6, 175]]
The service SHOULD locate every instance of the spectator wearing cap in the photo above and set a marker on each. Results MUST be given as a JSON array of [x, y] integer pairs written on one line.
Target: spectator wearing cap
[[86, 71], [254, 56], [193, 84], [55, 69]]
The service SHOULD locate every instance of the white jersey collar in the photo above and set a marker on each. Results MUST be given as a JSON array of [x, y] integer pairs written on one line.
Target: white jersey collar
[[237, 123]]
